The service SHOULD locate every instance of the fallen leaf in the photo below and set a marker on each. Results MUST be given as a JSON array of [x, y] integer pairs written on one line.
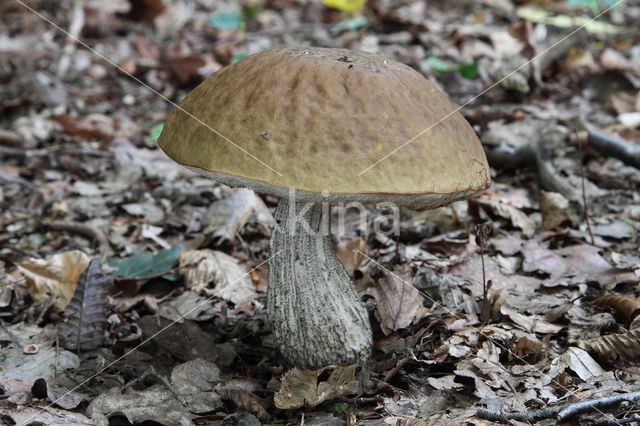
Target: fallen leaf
[[243, 400], [301, 387], [512, 214], [145, 263], [577, 360], [614, 347], [193, 380], [350, 253], [619, 230], [554, 208], [46, 416], [398, 302], [540, 259], [189, 305], [229, 277], [626, 305], [614, 60], [95, 127], [57, 276], [578, 57], [227, 216], [532, 324], [345, 5], [86, 315]]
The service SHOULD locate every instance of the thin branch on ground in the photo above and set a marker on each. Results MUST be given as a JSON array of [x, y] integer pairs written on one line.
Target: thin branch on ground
[[560, 412], [609, 145], [152, 372], [80, 229]]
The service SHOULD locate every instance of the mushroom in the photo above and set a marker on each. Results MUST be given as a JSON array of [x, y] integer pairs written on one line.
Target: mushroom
[[301, 123]]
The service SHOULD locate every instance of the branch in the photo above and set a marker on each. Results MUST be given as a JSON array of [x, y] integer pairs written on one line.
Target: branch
[[80, 229], [610, 146], [532, 153], [561, 412]]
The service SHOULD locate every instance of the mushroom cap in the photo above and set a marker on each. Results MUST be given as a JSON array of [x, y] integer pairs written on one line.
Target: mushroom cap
[[311, 119]]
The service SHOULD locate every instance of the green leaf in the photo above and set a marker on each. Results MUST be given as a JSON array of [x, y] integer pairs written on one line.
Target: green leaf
[[227, 21], [350, 24], [238, 57], [146, 263], [469, 71], [440, 66], [339, 407], [154, 134], [250, 12]]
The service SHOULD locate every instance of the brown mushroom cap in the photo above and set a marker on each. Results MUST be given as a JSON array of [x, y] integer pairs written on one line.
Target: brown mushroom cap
[[319, 116]]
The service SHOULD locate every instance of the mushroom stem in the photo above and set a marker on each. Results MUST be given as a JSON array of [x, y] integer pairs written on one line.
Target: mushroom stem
[[317, 316]]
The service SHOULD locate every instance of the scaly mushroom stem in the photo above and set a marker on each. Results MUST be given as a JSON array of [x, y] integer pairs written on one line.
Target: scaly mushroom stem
[[317, 316]]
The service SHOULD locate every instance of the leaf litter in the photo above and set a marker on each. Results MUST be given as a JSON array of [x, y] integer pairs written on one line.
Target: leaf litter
[[81, 179]]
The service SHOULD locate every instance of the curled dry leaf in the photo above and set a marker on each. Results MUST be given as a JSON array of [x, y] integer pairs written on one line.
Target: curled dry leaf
[[301, 387], [57, 276], [244, 400], [231, 279], [627, 306], [96, 127], [532, 323], [614, 347], [398, 301], [517, 218], [350, 253], [227, 216], [86, 316], [577, 360]]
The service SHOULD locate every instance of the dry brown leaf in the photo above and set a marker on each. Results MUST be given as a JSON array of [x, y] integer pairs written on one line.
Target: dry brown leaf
[[540, 259], [517, 218], [57, 276], [612, 347], [86, 316], [96, 127], [532, 323], [577, 360], [529, 350], [227, 216], [554, 207], [350, 253], [231, 280], [579, 57], [398, 301], [628, 306], [614, 60], [244, 401], [301, 387]]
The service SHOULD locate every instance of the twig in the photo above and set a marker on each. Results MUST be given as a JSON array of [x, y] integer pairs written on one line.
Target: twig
[[561, 412], [20, 182], [77, 22], [609, 145], [635, 419], [152, 372], [584, 195], [367, 399], [580, 407], [43, 152], [12, 138], [532, 153], [81, 229], [46, 305], [391, 374]]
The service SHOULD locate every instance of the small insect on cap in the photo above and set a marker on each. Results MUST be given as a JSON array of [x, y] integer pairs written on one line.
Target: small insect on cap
[[313, 118]]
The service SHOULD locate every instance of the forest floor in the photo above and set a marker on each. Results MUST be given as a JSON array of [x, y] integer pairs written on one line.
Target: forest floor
[[180, 282]]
